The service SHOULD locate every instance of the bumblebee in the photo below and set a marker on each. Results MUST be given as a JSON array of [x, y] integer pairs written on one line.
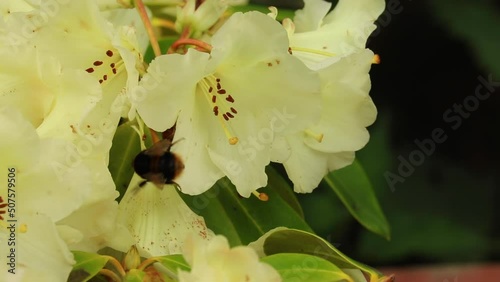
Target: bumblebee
[[158, 165]]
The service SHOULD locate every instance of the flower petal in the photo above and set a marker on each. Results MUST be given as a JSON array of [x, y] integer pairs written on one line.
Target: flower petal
[[344, 31], [167, 87], [311, 16], [41, 254], [306, 167], [348, 106], [216, 261], [158, 219]]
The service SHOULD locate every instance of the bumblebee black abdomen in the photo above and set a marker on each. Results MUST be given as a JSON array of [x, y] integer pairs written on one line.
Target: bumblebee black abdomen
[[142, 164], [167, 166]]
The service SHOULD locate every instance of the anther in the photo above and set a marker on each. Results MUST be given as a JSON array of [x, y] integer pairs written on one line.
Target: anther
[[233, 140], [317, 136], [376, 59], [261, 196]]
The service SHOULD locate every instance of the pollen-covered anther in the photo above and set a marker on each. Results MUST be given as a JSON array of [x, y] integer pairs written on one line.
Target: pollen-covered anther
[[376, 59], [106, 66], [261, 196], [317, 136], [220, 107]]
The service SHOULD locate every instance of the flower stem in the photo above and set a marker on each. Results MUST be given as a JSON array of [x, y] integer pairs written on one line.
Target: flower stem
[[202, 46], [110, 274], [147, 263], [149, 27], [116, 264]]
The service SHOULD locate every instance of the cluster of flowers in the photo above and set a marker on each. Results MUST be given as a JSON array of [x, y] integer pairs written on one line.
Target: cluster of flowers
[[253, 91]]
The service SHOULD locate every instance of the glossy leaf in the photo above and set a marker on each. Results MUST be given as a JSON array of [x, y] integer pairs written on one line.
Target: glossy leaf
[[87, 266], [125, 147], [354, 189], [303, 267], [283, 188], [174, 262], [244, 220], [298, 241]]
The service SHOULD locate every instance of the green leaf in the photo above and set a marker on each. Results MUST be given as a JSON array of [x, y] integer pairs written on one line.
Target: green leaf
[[477, 23], [87, 266], [164, 43], [283, 188], [174, 263], [354, 189], [298, 241], [125, 147], [303, 267], [244, 220]]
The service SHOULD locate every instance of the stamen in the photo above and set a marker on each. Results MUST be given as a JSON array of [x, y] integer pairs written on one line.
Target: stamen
[[106, 66], [376, 59], [261, 196], [317, 136], [207, 86], [313, 51]]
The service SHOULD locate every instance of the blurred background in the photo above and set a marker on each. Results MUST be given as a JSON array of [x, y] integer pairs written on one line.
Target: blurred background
[[434, 55]]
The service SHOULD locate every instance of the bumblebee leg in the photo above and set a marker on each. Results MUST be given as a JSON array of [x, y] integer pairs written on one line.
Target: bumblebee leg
[[175, 184], [143, 183]]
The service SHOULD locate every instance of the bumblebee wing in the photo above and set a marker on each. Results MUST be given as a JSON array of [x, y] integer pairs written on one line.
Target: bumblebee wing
[[159, 148]]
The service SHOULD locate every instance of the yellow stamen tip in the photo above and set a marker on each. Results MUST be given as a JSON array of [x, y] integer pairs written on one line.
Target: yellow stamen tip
[[261, 196], [317, 136], [320, 138], [376, 59], [233, 140]]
